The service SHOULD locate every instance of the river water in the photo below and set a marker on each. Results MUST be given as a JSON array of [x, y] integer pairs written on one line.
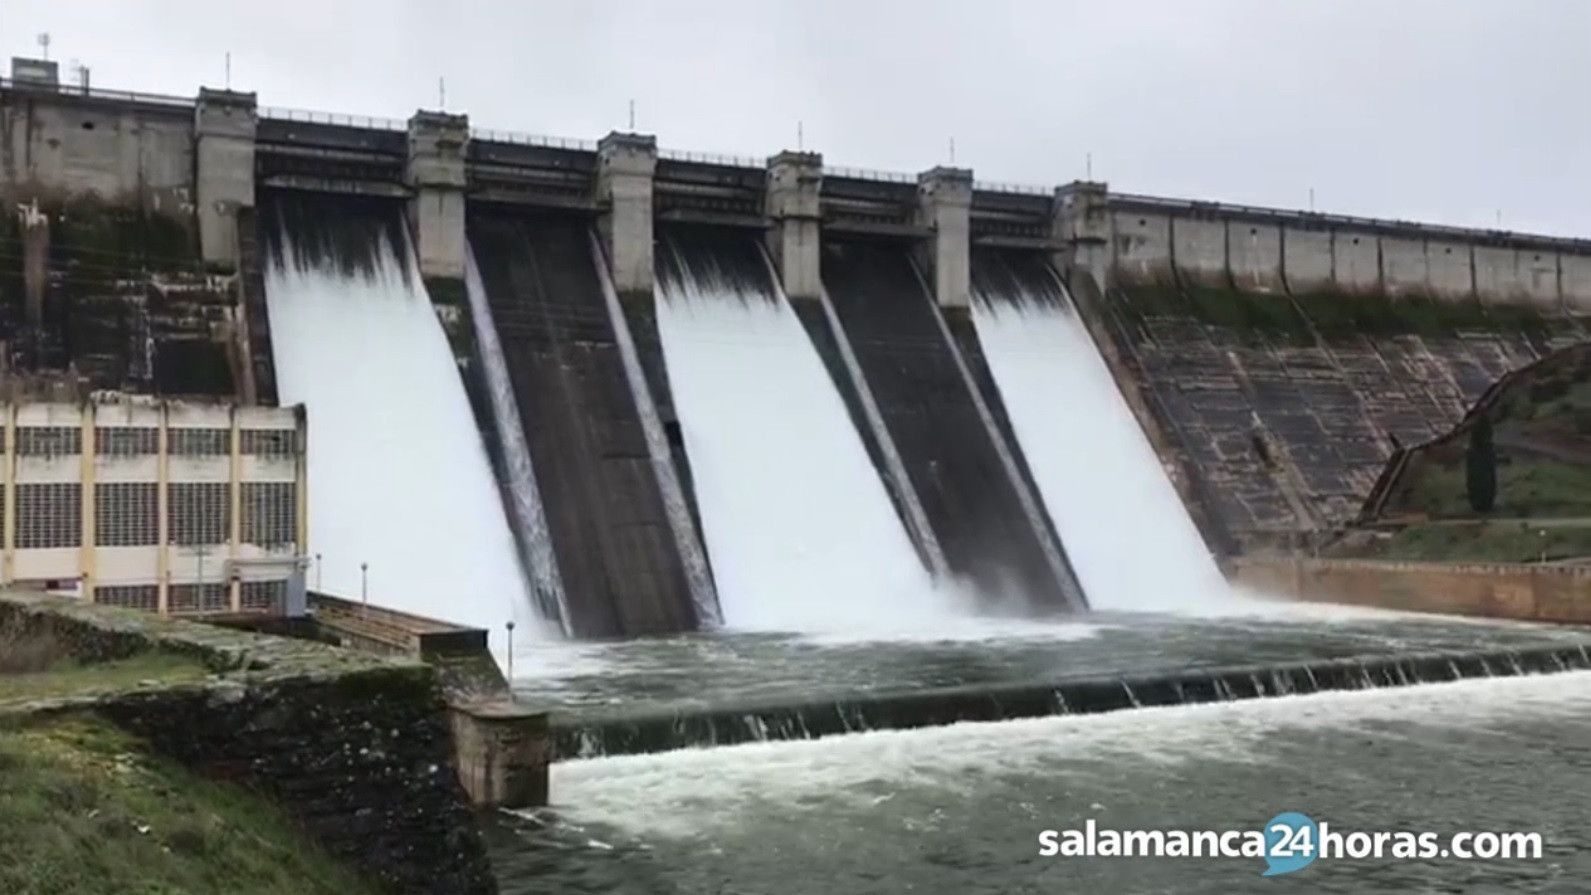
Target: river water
[[958, 809]]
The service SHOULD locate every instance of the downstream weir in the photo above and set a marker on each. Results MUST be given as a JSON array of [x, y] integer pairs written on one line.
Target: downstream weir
[[723, 689]]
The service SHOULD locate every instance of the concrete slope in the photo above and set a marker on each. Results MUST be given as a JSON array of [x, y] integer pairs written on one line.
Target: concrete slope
[[616, 553], [948, 450]]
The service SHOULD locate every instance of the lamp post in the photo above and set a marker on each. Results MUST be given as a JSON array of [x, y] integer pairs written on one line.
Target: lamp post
[[319, 568], [364, 587]]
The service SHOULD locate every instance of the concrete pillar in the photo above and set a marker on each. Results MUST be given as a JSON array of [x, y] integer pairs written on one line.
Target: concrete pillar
[[626, 164], [436, 173], [35, 261], [224, 129], [795, 182], [501, 751], [944, 205], [1081, 225]]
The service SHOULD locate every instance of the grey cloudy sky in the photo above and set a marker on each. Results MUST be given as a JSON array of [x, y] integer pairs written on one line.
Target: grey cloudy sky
[[1443, 110]]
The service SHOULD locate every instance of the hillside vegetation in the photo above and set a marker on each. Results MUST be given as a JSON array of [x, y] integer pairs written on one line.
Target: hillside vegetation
[[85, 811]]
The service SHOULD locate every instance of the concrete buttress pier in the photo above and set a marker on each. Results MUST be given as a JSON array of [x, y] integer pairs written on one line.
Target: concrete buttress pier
[[1082, 230], [435, 171], [225, 125], [944, 205], [795, 183], [626, 164]]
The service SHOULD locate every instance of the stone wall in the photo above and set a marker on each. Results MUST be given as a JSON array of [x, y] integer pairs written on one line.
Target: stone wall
[[355, 749], [1285, 410], [1493, 590]]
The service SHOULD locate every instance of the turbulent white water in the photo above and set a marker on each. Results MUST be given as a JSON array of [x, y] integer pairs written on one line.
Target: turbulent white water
[[398, 476], [1122, 522], [525, 496], [801, 532], [715, 791]]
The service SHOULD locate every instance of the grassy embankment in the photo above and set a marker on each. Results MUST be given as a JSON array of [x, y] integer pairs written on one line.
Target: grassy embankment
[[1543, 507], [86, 810]]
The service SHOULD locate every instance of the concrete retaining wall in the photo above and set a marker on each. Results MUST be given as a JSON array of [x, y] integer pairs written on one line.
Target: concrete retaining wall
[[1403, 267], [1497, 275], [1574, 282], [1254, 256], [1198, 249], [1141, 247], [1449, 271], [1268, 250], [1355, 261], [1538, 276], [1500, 590], [125, 153], [1306, 259]]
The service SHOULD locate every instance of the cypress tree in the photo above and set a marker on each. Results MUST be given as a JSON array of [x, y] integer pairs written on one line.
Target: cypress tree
[[1480, 467]]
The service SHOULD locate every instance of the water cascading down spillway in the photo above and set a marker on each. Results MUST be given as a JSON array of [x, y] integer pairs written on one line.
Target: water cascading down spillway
[[1125, 528], [800, 528], [403, 503]]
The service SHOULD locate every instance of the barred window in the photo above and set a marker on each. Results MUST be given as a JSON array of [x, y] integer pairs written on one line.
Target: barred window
[[199, 442], [269, 443], [263, 596], [199, 513], [130, 596], [188, 598], [49, 515], [126, 514], [122, 441], [270, 513], [49, 441]]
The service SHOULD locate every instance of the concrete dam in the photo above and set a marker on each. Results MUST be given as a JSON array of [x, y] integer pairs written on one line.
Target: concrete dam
[[654, 391]]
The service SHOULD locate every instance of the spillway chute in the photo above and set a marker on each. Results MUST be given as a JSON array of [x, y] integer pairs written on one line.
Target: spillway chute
[[1125, 528], [403, 505]]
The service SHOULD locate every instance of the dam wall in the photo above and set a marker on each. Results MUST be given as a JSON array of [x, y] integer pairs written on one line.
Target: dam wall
[[1279, 357], [1285, 357], [1267, 250]]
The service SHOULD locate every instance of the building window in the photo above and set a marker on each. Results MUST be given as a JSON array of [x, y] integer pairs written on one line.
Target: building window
[[263, 596], [272, 444], [200, 513], [126, 514], [187, 599], [200, 442], [270, 513], [122, 441], [129, 596], [49, 516], [49, 441]]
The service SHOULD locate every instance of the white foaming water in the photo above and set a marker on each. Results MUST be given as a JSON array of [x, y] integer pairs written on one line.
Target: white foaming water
[[1122, 522], [695, 791], [398, 476], [801, 532]]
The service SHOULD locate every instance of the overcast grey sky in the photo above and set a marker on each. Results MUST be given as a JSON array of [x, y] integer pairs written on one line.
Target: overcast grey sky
[[1442, 110]]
